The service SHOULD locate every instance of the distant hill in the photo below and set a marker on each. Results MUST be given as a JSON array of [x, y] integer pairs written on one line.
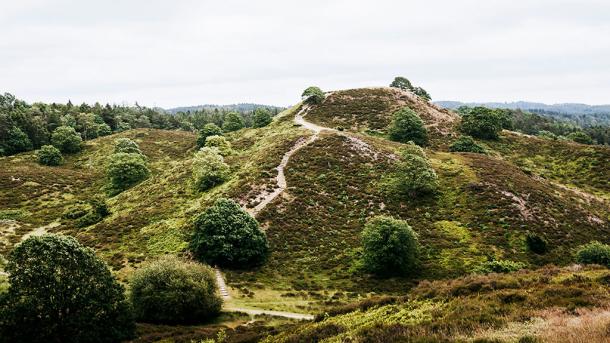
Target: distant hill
[[246, 107], [580, 113]]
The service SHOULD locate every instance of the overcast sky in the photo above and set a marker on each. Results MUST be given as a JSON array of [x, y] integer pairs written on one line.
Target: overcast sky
[[175, 53]]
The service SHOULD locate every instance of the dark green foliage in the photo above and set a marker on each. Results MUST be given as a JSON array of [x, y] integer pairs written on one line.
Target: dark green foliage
[[536, 243], [17, 141], [500, 266], [61, 292], [580, 137], [407, 126], [233, 122], [466, 144], [402, 83], [49, 155], [209, 169], [207, 131], [127, 146], [313, 95], [173, 291], [66, 139], [481, 122], [415, 175], [227, 235], [125, 170], [422, 93], [262, 117], [390, 247], [594, 253]]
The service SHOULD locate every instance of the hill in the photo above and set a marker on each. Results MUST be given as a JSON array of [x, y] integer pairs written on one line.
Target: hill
[[339, 167]]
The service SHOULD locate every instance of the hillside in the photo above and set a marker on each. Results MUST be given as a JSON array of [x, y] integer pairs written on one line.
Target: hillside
[[338, 175]]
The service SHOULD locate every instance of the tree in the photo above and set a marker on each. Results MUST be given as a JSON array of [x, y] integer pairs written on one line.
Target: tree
[[407, 126], [594, 253], [481, 122], [466, 144], [415, 174], [126, 170], [61, 292], [227, 235], [390, 247], [313, 95], [422, 93], [401, 83], [580, 137], [209, 169], [207, 131], [233, 122], [173, 291], [103, 130], [66, 139], [127, 146], [17, 141], [49, 155], [262, 117], [219, 142]]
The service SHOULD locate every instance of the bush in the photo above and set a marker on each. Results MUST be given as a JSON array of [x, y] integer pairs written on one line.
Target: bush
[[580, 137], [262, 117], [127, 146], [17, 141], [233, 122], [466, 144], [594, 253], [66, 139], [61, 292], [227, 235], [481, 122], [407, 126], [313, 95], [536, 243], [103, 130], [172, 291], [220, 143], [401, 83], [500, 266], [209, 169], [547, 135], [415, 174], [126, 170], [207, 131], [422, 93], [390, 247], [49, 155]]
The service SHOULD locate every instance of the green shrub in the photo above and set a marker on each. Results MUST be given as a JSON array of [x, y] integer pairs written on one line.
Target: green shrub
[[103, 130], [481, 122], [466, 144], [126, 170], [536, 244], [127, 146], [262, 117], [227, 235], [500, 266], [313, 95], [207, 131], [407, 126], [89, 213], [580, 137], [173, 291], [209, 169], [415, 175], [49, 155], [76, 211], [594, 253], [390, 247], [61, 292], [66, 139], [220, 143], [547, 135], [422, 93], [17, 141], [233, 122], [401, 83]]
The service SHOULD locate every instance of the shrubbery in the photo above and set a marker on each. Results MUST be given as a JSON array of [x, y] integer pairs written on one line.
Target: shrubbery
[[209, 169], [66, 139], [500, 266], [404, 84], [415, 175], [594, 253], [466, 144], [16, 141], [49, 155], [390, 247], [126, 170], [220, 143], [580, 137], [173, 291], [233, 122], [207, 131], [262, 117], [481, 122], [61, 292], [536, 243], [407, 126], [227, 235], [313, 95], [127, 146]]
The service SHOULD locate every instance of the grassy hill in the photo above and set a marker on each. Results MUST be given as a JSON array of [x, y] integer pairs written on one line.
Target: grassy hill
[[485, 207]]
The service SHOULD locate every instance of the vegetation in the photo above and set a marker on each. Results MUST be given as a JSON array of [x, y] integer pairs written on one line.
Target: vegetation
[[536, 243], [208, 130], [49, 155], [227, 235], [594, 253], [220, 143], [415, 174], [313, 95], [404, 84], [466, 144], [390, 247], [262, 117], [500, 266], [173, 291], [61, 292], [126, 145], [481, 122], [407, 126], [209, 169], [233, 122], [66, 139], [580, 137], [126, 170]]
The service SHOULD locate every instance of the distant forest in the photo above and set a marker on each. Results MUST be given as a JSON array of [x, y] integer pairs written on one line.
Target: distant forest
[[25, 127]]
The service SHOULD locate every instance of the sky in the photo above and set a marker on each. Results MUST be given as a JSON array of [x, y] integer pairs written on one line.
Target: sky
[[180, 53]]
